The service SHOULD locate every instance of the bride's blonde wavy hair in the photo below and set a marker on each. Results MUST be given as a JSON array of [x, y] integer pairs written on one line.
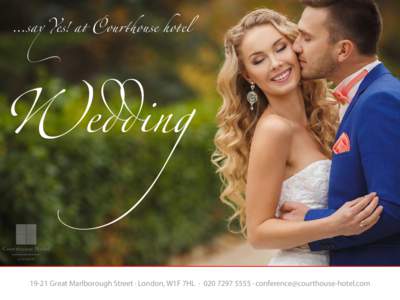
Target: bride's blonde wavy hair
[[236, 122]]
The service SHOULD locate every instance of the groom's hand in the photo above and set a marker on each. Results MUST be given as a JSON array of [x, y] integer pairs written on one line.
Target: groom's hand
[[293, 211]]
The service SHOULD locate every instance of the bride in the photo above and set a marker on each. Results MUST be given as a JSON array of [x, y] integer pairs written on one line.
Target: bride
[[274, 143]]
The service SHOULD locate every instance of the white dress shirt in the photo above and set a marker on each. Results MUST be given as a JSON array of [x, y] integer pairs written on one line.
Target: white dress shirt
[[355, 88]]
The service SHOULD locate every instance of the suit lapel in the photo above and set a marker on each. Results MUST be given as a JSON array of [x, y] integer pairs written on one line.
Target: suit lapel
[[377, 72]]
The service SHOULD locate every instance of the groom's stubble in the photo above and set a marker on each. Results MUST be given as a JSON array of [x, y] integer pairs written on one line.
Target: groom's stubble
[[321, 68]]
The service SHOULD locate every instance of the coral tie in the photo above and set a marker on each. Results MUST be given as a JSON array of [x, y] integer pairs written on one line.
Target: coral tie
[[342, 95]]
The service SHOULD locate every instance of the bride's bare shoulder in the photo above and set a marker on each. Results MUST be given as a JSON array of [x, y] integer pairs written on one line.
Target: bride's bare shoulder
[[272, 141], [274, 126]]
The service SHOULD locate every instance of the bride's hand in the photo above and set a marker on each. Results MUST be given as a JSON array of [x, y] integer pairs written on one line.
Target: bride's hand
[[357, 216]]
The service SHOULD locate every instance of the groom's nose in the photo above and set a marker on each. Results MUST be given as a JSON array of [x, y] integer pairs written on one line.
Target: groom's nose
[[297, 46]]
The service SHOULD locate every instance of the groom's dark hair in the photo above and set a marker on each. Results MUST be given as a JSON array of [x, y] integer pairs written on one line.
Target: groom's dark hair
[[357, 20]]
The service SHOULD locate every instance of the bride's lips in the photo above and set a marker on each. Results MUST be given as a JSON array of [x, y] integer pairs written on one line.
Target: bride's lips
[[282, 77]]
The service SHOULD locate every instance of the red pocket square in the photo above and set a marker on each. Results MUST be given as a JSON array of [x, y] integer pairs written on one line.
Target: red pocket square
[[342, 144]]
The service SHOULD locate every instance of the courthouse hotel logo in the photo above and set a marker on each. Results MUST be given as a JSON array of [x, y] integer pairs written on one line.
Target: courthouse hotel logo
[[25, 248]]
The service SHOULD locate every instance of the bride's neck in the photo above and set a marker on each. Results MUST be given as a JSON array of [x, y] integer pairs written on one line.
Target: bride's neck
[[289, 106]]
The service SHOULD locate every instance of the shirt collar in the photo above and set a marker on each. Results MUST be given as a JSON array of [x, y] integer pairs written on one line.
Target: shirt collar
[[345, 81], [353, 91]]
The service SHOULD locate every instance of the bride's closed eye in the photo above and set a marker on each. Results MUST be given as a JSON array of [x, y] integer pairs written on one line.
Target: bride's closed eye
[[258, 61], [281, 48]]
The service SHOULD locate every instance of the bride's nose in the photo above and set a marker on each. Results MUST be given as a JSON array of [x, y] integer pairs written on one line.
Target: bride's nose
[[275, 63]]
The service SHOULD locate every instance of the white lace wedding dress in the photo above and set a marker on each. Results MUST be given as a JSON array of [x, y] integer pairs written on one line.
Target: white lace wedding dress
[[309, 186]]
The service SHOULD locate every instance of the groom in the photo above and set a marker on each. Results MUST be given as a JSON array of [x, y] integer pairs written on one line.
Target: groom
[[338, 41]]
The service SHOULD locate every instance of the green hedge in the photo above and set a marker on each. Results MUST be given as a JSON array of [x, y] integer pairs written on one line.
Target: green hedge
[[94, 178]]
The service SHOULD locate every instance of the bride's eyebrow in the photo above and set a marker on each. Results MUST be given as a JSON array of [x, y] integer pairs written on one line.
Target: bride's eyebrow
[[277, 41], [261, 52]]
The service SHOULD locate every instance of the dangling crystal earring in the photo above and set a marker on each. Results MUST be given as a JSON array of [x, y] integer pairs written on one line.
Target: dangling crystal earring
[[252, 96]]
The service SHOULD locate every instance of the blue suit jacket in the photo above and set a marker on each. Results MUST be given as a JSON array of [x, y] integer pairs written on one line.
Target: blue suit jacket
[[372, 122]]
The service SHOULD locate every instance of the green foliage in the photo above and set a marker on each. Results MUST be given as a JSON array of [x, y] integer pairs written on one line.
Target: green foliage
[[95, 178]]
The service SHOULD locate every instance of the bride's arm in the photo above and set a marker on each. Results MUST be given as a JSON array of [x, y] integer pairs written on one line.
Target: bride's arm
[[267, 162]]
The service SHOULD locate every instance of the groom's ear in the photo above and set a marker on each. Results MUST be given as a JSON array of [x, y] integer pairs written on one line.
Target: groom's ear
[[344, 48]]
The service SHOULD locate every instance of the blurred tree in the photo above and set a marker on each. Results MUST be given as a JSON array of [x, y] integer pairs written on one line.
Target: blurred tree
[[172, 67]]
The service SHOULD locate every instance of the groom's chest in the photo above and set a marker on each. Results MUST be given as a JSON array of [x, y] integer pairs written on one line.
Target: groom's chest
[[346, 180]]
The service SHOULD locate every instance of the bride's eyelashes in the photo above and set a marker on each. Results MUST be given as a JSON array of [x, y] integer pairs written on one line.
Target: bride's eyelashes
[[258, 61], [279, 49]]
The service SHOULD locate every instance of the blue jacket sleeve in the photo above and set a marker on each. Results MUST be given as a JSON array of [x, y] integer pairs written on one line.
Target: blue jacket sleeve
[[378, 138]]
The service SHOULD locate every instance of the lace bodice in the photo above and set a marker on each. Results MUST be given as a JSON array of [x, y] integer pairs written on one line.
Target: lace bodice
[[309, 186]]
